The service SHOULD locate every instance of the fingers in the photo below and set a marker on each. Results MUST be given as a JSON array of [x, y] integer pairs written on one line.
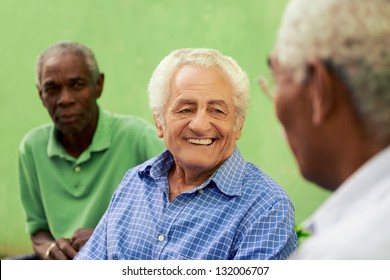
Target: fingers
[[48, 251], [78, 243], [80, 237], [61, 250]]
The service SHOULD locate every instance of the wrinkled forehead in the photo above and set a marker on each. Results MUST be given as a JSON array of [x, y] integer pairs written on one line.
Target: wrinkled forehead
[[65, 65], [188, 73], [194, 81], [59, 57]]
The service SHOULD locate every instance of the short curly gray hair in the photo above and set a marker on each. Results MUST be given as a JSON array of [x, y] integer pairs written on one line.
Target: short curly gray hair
[[351, 36], [66, 47], [159, 85]]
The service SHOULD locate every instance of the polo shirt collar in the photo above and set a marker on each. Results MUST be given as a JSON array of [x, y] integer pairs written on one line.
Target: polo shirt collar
[[232, 170], [100, 142]]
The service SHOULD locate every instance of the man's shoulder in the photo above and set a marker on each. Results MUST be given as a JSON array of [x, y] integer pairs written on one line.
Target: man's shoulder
[[239, 176], [262, 184], [38, 135]]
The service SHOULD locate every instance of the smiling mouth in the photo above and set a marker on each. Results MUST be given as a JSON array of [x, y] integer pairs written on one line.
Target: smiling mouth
[[204, 142]]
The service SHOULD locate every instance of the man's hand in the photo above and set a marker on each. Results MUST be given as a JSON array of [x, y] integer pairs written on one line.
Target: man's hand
[[47, 248], [62, 250], [80, 237]]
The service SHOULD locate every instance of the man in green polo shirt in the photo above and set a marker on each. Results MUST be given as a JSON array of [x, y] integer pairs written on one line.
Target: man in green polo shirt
[[69, 169]]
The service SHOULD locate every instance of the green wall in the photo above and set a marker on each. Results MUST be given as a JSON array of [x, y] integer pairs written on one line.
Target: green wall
[[129, 38]]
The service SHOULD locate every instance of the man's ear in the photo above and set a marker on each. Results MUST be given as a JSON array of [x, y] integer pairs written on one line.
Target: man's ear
[[160, 131], [99, 85], [238, 132], [40, 94], [323, 91]]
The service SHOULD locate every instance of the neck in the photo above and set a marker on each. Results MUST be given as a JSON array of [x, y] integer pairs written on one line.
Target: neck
[[353, 156], [350, 148], [181, 180], [76, 143], [344, 142]]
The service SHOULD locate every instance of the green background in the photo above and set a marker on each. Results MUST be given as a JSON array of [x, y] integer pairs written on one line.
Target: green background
[[129, 38]]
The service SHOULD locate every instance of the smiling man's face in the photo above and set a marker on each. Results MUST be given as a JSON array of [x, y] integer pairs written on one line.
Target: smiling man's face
[[200, 119]]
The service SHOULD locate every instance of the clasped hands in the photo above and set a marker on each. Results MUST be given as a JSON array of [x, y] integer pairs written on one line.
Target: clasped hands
[[67, 248]]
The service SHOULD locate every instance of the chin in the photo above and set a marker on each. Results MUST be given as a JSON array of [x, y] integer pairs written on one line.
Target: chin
[[319, 179], [69, 130]]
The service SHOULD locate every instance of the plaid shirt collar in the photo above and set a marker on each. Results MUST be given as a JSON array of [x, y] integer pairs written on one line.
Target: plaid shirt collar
[[231, 170]]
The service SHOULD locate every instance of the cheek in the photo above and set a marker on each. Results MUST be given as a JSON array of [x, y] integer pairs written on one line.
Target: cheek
[[171, 132], [289, 116], [282, 110], [291, 106], [48, 103], [298, 133]]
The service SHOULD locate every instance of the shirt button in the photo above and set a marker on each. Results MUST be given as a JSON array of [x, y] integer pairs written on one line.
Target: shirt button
[[161, 237], [201, 191], [77, 169]]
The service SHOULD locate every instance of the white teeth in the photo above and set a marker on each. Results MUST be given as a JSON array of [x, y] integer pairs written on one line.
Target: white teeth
[[200, 141]]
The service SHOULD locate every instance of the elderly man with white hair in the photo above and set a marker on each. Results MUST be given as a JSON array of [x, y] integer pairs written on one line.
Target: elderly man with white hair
[[331, 65], [199, 199]]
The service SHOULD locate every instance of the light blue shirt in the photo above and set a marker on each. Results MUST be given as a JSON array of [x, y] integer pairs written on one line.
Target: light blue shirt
[[238, 213]]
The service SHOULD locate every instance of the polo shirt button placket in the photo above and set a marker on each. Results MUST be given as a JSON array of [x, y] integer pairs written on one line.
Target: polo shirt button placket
[[77, 169]]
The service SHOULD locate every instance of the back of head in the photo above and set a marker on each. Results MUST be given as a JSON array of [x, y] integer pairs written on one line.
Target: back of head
[[65, 47], [159, 85], [352, 38]]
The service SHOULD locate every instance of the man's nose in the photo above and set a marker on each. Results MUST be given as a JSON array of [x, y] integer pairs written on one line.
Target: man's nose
[[200, 122], [66, 97]]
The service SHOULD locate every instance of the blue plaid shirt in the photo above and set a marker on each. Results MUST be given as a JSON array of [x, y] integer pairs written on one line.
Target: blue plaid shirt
[[238, 213]]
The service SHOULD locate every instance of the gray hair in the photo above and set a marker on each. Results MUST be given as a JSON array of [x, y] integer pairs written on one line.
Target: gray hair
[[65, 47], [350, 36], [159, 85]]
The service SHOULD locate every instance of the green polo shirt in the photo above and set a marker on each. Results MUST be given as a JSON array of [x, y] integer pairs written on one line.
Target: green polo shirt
[[61, 193]]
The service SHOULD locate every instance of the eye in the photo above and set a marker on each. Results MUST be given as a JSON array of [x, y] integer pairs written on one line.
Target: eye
[[78, 85], [51, 90], [185, 111], [217, 111]]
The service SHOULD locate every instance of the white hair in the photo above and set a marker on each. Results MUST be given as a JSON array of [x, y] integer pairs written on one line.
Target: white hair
[[352, 37], [65, 47], [160, 82]]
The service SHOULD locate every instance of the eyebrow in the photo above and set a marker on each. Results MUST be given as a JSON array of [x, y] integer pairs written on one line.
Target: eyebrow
[[77, 78], [49, 83], [72, 80], [219, 102], [181, 102]]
